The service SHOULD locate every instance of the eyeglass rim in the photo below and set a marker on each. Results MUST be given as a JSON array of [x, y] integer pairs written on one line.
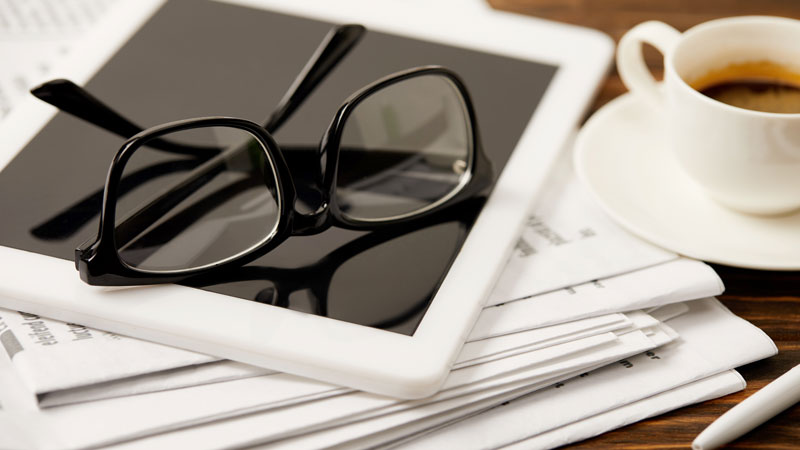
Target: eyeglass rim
[[196, 125], [92, 257], [464, 104], [477, 164]]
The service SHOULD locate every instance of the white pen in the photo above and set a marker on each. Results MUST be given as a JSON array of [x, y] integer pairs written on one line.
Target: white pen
[[752, 412]]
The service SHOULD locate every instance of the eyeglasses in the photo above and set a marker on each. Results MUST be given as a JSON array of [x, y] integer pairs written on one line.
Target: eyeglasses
[[398, 150]]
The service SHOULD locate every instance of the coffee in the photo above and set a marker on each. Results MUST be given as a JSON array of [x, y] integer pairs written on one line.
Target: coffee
[[759, 86]]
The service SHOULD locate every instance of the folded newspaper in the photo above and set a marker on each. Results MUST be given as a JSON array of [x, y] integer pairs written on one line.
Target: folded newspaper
[[554, 400]]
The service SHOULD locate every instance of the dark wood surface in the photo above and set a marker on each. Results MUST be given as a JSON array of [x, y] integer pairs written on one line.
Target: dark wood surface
[[769, 300]]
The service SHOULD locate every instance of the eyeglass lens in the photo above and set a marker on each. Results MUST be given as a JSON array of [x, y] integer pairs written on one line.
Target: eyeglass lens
[[404, 149], [192, 219]]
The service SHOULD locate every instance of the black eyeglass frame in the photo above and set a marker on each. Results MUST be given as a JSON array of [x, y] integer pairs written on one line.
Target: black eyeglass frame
[[98, 260]]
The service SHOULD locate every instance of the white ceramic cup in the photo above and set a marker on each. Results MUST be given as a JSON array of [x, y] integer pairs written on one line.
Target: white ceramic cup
[[746, 160]]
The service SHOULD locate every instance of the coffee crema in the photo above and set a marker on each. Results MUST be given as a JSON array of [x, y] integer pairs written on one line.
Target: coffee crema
[[760, 86]]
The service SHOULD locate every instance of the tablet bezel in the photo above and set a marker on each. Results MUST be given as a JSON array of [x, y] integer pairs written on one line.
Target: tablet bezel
[[338, 352]]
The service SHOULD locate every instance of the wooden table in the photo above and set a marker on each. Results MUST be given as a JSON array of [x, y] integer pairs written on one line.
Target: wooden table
[[769, 300]]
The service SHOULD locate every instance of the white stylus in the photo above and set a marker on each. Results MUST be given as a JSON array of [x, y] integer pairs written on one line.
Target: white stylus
[[752, 412]]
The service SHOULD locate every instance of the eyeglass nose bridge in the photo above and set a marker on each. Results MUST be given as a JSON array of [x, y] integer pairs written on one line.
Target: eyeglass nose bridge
[[312, 223]]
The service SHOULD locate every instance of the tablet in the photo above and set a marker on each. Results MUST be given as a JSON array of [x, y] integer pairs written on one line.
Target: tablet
[[381, 311]]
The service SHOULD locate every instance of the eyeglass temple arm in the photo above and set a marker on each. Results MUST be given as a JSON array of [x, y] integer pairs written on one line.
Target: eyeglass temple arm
[[73, 99], [77, 101], [334, 46]]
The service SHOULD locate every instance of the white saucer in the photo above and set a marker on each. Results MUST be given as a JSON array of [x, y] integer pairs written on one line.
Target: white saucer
[[622, 156]]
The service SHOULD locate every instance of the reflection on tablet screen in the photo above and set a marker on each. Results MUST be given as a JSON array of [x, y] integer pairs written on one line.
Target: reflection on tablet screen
[[197, 59]]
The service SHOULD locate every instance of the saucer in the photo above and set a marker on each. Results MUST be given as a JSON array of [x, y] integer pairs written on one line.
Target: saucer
[[621, 155]]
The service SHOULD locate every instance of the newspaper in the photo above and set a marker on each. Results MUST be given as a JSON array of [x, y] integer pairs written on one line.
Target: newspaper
[[45, 353], [698, 391], [134, 416], [712, 340], [677, 280], [478, 351], [357, 408], [710, 329], [195, 375], [569, 240], [40, 366]]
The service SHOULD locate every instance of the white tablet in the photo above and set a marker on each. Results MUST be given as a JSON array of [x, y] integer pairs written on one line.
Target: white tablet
[[385, 312]]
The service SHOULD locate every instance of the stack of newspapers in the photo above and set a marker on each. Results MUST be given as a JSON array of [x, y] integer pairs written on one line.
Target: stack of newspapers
[[588, 329]]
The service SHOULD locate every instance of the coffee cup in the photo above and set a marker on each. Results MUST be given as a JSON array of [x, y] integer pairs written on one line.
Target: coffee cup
[[743, 151]]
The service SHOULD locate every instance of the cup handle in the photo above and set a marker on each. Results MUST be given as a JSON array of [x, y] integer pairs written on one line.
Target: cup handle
[[630, 62]]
